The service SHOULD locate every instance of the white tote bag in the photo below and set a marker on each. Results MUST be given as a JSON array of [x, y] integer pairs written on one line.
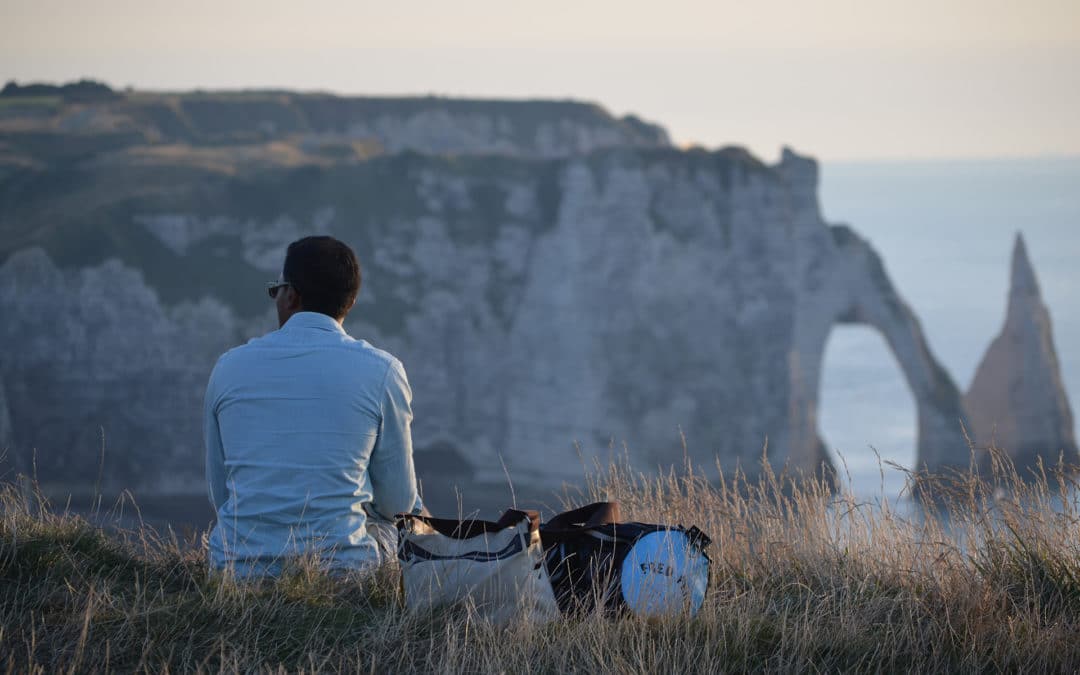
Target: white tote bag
[[497, 566]]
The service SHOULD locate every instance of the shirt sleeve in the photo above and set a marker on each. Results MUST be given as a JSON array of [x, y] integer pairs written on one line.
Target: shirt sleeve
[[393, 476], [215, 452]]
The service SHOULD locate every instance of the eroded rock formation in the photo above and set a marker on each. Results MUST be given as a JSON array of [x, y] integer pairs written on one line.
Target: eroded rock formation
[[549, 306], [1017, 400]]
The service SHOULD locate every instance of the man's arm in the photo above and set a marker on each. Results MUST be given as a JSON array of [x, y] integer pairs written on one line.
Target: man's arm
[[215, 452], [393, 477]]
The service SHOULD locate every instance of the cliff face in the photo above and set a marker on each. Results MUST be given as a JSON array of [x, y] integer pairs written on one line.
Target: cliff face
[[5, 422], [92, 356], [546, 308], [1017, 400]]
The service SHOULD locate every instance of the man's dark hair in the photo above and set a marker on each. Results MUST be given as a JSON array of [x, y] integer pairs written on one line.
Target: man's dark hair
[[326, 274]]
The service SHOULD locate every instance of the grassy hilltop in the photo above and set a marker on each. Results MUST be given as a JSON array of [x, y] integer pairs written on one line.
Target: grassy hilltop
[[801, 581]]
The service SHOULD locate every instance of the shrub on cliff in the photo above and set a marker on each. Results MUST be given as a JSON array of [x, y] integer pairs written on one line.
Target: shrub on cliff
[[83, 91]]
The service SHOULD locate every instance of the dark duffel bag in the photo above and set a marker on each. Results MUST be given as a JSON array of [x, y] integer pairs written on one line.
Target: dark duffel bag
[[595, 561]]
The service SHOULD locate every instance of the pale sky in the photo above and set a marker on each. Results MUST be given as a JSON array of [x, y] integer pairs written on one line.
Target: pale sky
[[838, 79]]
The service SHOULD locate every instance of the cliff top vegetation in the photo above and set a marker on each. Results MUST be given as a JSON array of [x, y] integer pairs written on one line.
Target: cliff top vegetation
[[33, 116]]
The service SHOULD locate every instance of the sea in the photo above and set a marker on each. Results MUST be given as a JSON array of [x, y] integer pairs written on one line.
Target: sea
[[945, 230]]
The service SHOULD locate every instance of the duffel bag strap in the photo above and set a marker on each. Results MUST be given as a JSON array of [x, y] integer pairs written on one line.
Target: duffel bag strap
[[466, 529], [596, 514]]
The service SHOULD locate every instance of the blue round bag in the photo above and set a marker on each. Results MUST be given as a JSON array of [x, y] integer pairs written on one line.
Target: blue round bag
[[595, 562]]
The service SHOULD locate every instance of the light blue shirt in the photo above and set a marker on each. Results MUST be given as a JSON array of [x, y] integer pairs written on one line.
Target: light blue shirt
[[305, 428]]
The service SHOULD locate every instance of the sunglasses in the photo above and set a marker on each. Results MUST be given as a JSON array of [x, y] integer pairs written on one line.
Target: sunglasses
[[273, 287]]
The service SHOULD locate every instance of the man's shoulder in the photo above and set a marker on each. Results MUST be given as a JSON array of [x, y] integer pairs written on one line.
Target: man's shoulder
[[373, 364], [376, 355], [249, 348], [343, 348]]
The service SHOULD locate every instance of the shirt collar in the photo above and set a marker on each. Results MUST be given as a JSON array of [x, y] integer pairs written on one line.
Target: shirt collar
[[316, 320]]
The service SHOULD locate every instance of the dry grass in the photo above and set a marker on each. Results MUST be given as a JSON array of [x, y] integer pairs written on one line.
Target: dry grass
[[802, 580]]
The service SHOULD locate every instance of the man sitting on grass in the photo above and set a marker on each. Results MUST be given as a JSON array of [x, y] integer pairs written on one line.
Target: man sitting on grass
[[307, 430]]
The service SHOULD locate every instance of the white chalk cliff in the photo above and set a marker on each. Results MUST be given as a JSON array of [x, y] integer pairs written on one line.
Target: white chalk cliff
[[551, 301]]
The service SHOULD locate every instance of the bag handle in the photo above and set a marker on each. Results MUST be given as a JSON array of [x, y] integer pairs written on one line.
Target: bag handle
[[466, 529], [593, 515], [698, 538]]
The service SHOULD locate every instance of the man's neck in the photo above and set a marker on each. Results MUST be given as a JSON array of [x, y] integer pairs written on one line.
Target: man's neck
[[338, 321]]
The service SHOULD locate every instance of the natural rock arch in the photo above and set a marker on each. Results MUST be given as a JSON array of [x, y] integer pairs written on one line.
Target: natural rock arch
[[842, 280], [854, 289], [866, 410]]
